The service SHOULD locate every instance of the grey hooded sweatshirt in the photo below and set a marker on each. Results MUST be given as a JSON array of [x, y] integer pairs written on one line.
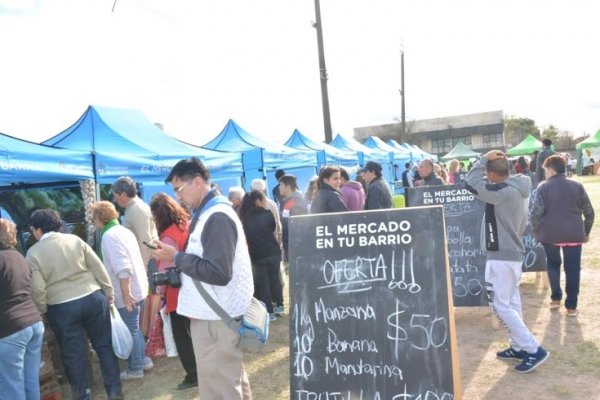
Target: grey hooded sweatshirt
[[511, 201]]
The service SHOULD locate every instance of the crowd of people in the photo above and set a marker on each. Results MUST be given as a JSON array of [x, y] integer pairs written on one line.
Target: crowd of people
[[234, 247]]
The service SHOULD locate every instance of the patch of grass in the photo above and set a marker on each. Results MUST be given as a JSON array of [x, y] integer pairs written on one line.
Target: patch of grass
[[560, 391], [588, 360]]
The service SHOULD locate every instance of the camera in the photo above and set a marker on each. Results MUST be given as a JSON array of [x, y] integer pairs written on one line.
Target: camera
[[171, 277]]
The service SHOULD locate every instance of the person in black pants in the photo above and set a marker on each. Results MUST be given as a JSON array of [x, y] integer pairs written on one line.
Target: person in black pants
[[172, 222], [265, 252]]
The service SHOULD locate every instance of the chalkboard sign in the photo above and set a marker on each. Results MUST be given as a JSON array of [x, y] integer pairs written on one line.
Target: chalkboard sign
[[535, 256], [371, 316], [463, 213], [459, 177]]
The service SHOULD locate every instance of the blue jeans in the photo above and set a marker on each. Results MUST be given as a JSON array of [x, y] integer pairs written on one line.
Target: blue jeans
[[572, 265], [20, 358], [68, 321], [132, 320]]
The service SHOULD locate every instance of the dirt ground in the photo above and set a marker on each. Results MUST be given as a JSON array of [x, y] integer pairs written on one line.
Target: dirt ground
[[572, 371]]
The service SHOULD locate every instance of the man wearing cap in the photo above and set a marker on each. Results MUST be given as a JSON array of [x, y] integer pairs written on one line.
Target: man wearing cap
[[378, 192]]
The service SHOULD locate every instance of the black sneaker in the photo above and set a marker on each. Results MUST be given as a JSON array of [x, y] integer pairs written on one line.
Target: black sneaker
[[511, 354], [186, 385], [533, 360]]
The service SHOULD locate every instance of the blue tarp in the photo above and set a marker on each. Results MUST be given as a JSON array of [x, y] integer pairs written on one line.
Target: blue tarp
[[261, 158], [327, 154], [23, 162], [126, 142]]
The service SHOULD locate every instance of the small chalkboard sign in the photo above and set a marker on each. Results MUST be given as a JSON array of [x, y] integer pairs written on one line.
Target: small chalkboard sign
[[463, 213], [535, 256], [371, 315]]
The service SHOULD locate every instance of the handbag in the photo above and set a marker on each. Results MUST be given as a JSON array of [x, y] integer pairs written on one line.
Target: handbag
[[155, 347], [122, 341], [253, 326], [148, 314]]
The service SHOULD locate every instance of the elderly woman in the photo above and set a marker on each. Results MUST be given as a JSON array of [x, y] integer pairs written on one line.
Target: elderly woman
[[70, 285], [21, 327], [556, 218], [125, 266]]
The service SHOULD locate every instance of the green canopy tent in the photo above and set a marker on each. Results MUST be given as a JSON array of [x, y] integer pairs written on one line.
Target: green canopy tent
[[586, 151], [460, 152], [526, 147]]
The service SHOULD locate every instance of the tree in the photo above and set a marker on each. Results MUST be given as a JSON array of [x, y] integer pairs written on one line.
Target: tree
[[398, 135], [516, 129], [551, 132]]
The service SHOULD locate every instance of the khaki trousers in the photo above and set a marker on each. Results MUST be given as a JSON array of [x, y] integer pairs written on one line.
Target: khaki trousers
[[221, 372]]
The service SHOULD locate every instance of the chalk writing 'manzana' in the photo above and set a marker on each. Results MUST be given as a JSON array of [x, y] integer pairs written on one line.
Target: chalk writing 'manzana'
[[340, 313]]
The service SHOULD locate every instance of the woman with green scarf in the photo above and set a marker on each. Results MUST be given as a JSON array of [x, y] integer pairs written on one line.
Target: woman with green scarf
[[123, 261]]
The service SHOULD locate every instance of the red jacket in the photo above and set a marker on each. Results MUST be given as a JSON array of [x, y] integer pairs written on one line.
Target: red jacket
[[175, 233]]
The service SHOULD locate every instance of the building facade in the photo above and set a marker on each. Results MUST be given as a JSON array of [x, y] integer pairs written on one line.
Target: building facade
[[480, 132]]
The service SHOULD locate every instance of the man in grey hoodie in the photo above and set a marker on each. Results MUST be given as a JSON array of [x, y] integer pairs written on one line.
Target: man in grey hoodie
[[507, 200]]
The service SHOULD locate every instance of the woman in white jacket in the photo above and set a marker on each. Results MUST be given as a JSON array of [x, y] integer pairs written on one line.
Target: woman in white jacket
[[123, 261]]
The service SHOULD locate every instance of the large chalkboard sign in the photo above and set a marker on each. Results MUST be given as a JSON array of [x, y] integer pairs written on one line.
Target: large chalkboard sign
[[463, 214], [371, 314]]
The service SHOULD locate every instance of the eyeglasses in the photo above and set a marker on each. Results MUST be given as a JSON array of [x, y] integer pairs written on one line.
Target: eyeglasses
[[180, 188]]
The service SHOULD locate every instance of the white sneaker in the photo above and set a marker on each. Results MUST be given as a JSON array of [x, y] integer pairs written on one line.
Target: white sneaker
[[148, 364], [128, 375]]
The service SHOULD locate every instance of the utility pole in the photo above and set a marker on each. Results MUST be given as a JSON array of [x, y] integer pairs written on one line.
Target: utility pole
[[323, 73], [403, 115]]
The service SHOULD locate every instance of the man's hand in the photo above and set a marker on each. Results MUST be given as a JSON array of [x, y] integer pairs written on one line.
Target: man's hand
[[494, 155], [164, 252], [129, 302]]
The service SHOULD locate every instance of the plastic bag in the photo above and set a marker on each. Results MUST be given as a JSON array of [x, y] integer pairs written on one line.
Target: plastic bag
[[121, 337], [168, 334]]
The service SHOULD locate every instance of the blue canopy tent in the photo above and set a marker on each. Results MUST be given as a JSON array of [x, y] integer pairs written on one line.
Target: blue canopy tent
[[366, 154], [414, 154], [422, 153], [261, 159], [27, 163], [126, 142], [37, 176], [326, 154], [397, 156]]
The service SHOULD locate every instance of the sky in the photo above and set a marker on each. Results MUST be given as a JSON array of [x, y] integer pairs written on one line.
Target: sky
[[192, 65]]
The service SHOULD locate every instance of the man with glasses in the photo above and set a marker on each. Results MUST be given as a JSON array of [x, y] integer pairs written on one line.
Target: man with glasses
[[217, 255]]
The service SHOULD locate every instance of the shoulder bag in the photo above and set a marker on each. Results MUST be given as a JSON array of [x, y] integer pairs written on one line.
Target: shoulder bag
[[253, 326]]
